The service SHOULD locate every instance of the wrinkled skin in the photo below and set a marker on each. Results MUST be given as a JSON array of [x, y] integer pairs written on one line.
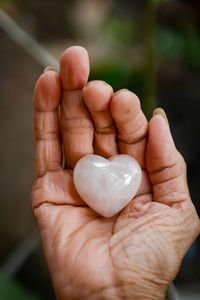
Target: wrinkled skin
[[137, 253]]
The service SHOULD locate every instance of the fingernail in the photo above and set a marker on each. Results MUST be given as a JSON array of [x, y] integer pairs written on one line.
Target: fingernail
[[160, 111], [49, 68]]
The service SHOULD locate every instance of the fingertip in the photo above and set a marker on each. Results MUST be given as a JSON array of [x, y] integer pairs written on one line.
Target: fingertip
[[74, 68], [159, 130], [159, 126], [161, 149], [124, 105], [160, 111], [97, 95], [49, 68], [47, 91]]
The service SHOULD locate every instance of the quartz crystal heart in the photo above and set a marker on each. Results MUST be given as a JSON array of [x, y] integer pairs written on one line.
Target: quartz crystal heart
[[107, 185]]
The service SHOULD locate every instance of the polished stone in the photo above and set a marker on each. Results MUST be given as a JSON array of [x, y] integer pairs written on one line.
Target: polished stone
[[107, 185]]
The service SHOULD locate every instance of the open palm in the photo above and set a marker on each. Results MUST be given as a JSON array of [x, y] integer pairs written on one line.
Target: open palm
[[137, 253]]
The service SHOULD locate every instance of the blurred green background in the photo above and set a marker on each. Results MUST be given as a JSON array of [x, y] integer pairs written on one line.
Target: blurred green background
[[151, 47]]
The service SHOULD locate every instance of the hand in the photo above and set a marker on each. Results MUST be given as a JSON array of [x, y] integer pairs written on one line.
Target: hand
[[137, 253]]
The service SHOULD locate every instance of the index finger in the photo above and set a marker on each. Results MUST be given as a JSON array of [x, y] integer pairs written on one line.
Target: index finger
[[46, 128]]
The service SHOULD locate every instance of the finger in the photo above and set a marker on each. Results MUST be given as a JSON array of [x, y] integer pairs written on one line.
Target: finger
[[166, 166], [76, 125], [46, 100], [97, 96], [131, 125]]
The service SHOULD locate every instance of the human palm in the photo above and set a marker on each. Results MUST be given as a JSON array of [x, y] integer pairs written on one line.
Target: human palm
[[137, 253]]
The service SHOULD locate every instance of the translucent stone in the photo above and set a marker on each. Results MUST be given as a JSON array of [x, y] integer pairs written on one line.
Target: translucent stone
[[107, 185]]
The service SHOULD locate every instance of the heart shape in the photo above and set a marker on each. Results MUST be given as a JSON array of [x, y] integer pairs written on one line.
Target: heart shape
[[107, 185]]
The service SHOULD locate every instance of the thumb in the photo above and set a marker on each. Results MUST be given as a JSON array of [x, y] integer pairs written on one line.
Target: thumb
[[165, 165], [167, 173]]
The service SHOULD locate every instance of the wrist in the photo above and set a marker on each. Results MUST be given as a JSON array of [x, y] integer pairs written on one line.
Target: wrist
[[142, 291], [138, 291]]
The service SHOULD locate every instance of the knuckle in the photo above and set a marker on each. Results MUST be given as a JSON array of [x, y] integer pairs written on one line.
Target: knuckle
[[193, 219], [181, 162]]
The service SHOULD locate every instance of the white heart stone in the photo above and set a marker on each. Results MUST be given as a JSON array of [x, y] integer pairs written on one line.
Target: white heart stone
[[107, 185]]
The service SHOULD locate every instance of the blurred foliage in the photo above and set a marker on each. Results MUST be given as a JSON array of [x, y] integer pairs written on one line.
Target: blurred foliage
[[119, 74], [9, 1], [117, 70], [6, 3], [180, 44], [170, 43], [158, 2], [118, 31], [12, 290]]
